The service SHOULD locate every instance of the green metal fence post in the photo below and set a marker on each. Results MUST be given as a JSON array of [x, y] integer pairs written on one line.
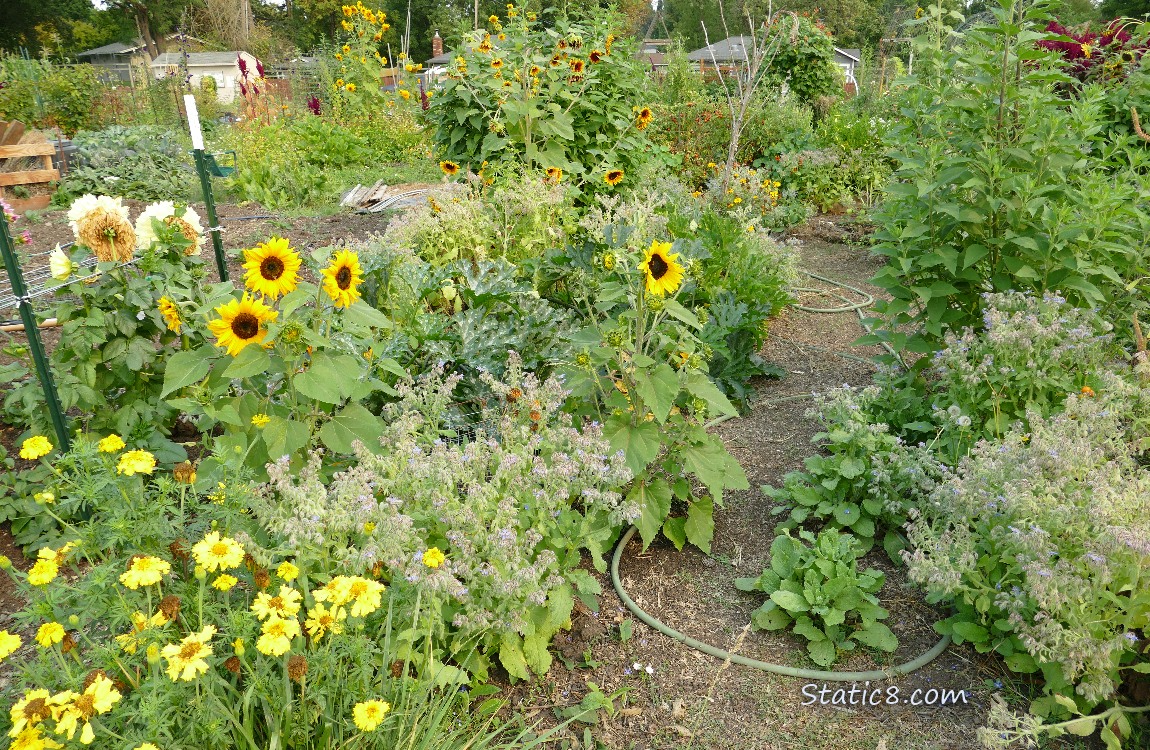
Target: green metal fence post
[[205, 183], [24, 305]]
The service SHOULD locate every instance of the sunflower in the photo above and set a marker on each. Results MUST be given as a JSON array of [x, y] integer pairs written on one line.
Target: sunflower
[[449, 168], [576, 66], [341, 279], [484, 46], [171, 313], [555, 174], [186, 659], [273, 268], [662, 270], [145, 570], [643, 119], [497, 63], [595, 56], [241, 323], [613, 177], [368, 715], [218, 553]]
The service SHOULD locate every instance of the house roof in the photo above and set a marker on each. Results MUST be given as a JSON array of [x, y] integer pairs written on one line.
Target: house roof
[[443, 59], [852, 54], [731, 49], [197, 59], [115, 48]]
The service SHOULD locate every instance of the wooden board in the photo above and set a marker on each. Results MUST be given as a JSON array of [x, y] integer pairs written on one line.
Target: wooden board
[[30, 177], [11, 132], [12, 151], [35, 203], [27, 149]]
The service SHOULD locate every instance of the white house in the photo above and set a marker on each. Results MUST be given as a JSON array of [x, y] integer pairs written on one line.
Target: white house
[[222, 66]]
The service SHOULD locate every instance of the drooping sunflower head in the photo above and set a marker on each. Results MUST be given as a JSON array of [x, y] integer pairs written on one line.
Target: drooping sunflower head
[[171, 313], [272, 268], [595, 56], [554, 174], [613, 177], [341, 279], [576, 66], [663, 274], [643, 117], [241, 322], [497, 63], [449, 168]]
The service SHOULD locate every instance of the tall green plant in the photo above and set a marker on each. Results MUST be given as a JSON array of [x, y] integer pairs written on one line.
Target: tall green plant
[[997, 187]]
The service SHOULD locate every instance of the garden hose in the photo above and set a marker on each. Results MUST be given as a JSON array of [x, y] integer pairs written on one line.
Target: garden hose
[[806, 674]]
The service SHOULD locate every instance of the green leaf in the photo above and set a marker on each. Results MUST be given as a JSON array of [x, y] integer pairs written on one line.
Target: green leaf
[[770, 617], [511, 656], [674, 530], [329, 379], [850, 468], [680, 313], [364, 314], [185, 368], [654, 501], [354, 422], [700, 386], [658, 390], [284, 436], [639, 443], [790, 601], [700, 525], [822, 652], [969, 631], [876, 635], [252, 360]]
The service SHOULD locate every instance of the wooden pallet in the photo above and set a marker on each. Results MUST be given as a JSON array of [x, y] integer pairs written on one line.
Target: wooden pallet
[[11, 148]]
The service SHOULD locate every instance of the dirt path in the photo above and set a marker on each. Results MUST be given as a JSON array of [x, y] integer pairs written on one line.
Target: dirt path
[[689, 700]]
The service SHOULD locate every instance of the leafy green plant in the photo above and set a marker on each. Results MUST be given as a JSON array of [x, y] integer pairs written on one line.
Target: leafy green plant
[[44, 95], [140, 163], [817, 589], [806, 61]]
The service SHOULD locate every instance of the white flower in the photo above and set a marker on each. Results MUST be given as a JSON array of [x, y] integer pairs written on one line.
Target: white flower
[[88, 203], [162, 211], [637, 666], [650, 669], [963, 421], [59, 264]]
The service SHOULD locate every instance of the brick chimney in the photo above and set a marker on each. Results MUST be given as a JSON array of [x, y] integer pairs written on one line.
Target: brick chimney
[[436, 44]]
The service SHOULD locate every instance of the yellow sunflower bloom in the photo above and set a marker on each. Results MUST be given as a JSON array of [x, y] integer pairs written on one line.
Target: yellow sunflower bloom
[[241, 322], [49, 634], [187, 659], [35, 447], [643, 118], [136, 462], [341, 279], [613, 177], [272, 266], [368, 715], [145, 570], [111, 444], [449, 168], [555, 174], [277, 636], [662, 269], [214, 552]]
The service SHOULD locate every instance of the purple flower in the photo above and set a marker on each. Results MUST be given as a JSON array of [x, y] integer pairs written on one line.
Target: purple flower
[[313, 106]]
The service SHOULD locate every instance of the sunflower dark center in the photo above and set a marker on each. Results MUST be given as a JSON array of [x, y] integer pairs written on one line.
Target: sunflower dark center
[[245, 326], [271, 268], [343, 278], [658, 267]]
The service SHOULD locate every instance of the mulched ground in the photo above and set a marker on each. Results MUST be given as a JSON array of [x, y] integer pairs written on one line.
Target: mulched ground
[[689, 700]]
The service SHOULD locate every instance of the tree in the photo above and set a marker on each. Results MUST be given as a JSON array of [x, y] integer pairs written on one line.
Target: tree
[[20, 19], [154, 18]]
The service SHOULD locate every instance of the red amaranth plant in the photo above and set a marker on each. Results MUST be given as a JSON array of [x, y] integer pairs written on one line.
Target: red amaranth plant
[[1094, 54]]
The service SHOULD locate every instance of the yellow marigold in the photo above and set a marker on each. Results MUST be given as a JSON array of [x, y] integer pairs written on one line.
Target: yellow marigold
[[145, 570], [28, 712], [368, 715], [225, 582], [35, 447], [433, 557], [9, 642], [43, 572], [49, 634], [321, 620], [147, 746], [277, 636], [214, 552], [284, 604], [71, 709], [405, 94], [187, 659], [111, 444], [136, 462], [287, 571]]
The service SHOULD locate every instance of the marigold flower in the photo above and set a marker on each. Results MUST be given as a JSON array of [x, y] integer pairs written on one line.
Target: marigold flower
[[225, 582], [111, 444], [287, 571], [187, 659], [145, 570], [368, 715], [184, 472], [70, 709], [136, 462], [284, 604], [28, 712], [49, 634], [214, 552], [322, 620], [433, 557], [35, 447], [9, 642], [43, 572], [277, 636]]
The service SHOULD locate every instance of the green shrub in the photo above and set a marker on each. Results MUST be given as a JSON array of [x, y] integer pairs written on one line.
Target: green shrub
[[140, 163], [45, 95]]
